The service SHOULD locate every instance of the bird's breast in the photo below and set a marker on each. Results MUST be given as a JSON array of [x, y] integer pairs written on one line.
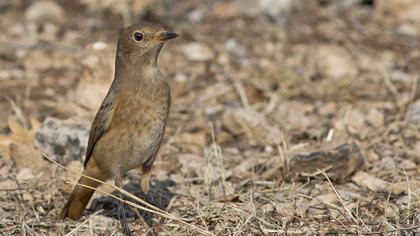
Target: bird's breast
[[140, 106], [140, 118]]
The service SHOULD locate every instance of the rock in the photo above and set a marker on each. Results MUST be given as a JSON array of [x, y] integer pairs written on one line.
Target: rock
[[193, 142], [366, 180], [8, 184], [180, 77], [195, 16], [196, 165], [285, 209], [293, 115], [317, 213], [245, 167], [375, 118], [302, 207], [372, 157], [334, 62], [27, 196], [403, 187], [404, 10], [128, 9], [416, 150], [222, 191], [197, 52], [340, 160], [277, 9], [12, 74], [4, 167], [252, 125], [45, 15], [267, 208], [234, 47], [398, 76], [102, 224], [225, 9], [99, 45], [274, 8], [355, 121], [413, 113], [407, 165], [348, 3], [329, 198], [387, 163], [409, 30], [44, 11], [391, 210], [24, 174], [328, 108], [64, 140]]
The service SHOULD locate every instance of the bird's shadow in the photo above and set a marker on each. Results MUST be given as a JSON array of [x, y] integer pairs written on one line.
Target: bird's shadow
[[158, 195]]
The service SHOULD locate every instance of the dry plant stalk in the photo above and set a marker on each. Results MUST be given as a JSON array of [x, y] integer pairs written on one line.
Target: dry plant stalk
[[151, 209]]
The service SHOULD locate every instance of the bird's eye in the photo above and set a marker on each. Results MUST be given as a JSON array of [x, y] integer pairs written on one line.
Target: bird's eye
[[138, 36]]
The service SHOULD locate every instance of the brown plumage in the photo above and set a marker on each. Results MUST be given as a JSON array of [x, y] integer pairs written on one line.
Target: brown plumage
[[129, 126]]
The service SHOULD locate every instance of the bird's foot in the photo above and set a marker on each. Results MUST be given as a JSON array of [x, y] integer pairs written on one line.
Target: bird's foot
[[123, 218]]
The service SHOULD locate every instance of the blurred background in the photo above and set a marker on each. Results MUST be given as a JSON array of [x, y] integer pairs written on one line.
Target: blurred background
[[287, 116]]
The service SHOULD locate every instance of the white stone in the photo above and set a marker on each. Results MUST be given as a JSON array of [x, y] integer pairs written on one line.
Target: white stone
[[197, 52], [25, 174]]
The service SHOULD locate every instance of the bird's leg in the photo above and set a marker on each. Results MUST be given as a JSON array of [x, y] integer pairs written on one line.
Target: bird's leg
[[121, 210], [145, 176]]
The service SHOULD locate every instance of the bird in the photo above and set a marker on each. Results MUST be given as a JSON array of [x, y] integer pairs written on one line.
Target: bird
[[129, 126]]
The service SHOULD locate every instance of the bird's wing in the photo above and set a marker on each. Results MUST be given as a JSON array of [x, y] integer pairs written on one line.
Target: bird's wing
[[101, 124]]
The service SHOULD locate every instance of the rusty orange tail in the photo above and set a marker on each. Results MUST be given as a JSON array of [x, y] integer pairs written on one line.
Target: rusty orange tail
[[79, 199]]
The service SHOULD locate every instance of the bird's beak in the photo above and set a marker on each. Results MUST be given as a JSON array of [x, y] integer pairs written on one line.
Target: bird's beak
[[166, 36]]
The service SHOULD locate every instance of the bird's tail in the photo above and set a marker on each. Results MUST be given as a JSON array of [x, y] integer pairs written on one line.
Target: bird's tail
[[79, 199]]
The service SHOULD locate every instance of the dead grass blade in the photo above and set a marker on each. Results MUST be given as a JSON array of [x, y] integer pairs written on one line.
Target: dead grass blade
[[79, 226], [349, 212], [151, 209]]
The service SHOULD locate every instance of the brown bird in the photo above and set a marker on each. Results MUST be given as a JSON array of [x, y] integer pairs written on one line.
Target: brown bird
[[129, 126]]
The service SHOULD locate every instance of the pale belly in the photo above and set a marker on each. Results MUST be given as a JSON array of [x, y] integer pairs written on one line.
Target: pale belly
[[126, 147]]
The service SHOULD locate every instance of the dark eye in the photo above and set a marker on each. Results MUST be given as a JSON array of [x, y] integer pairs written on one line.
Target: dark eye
[[138, 36]]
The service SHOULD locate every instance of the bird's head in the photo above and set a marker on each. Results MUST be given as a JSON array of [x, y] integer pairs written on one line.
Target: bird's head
[[141, 44]]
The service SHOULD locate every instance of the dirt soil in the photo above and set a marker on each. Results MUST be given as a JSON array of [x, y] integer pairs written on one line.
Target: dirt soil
[[287, 117]]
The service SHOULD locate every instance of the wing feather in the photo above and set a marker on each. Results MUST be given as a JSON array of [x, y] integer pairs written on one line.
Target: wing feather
[[101, 124]]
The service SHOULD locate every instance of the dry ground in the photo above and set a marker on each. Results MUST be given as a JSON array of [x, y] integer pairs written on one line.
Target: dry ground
[[251, 87]]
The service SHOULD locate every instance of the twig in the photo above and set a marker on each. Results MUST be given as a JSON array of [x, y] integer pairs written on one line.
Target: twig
[[341, 200], [167, 215], [242, 94], [218, 153], [391, 231], [82, 224], [153, 209], [391, 86]]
